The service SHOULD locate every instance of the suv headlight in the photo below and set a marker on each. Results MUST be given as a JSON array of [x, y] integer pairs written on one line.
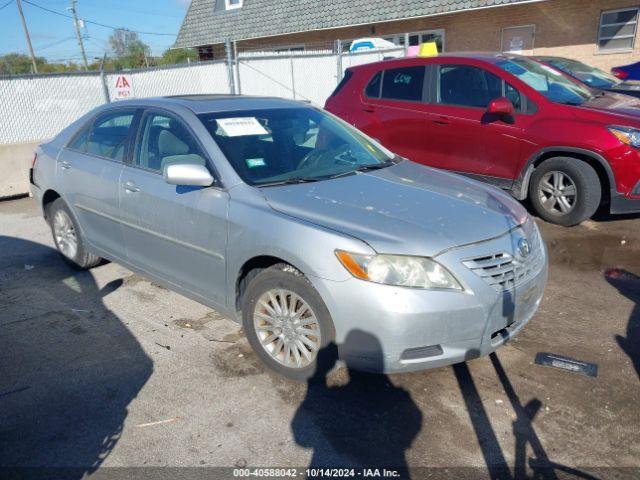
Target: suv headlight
[[398, 270], [627, 135]]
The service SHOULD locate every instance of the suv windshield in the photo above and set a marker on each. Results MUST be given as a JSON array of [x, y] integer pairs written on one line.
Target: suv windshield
[[546, 80], [292, 145], [593, 77]]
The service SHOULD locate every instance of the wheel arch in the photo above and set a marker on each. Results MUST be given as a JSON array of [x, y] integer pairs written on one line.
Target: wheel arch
[[250, 268], [595, 160], [48, 198]]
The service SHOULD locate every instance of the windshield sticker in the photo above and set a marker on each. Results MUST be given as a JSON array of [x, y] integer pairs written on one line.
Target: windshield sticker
[[256, 162], [239, 127]]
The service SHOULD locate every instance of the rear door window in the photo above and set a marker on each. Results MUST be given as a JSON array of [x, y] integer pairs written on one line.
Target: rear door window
[[109, 135], [405, 83]]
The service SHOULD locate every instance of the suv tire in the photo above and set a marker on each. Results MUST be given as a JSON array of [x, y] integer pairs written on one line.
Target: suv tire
[[68, 238], [275, 326], [565, 191]]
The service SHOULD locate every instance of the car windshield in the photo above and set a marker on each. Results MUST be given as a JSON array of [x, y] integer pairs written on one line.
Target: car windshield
[[546, 80], [292, 145], [592, 76]]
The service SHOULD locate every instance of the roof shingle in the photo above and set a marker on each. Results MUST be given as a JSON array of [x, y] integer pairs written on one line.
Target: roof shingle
[[262, 18]]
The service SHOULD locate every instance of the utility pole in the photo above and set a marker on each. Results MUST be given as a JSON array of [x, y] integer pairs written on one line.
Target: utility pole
[[26, 33], [77, 26]]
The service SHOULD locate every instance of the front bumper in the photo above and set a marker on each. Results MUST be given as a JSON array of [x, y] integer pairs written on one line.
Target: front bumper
[[626, 204], [382, 328]]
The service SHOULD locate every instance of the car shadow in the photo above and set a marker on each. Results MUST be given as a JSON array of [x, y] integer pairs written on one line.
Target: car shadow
[[628, 284], [69, 367], [366, 423]]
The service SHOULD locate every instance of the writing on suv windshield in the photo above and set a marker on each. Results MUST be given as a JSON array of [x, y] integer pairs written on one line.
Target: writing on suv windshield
[[292, 145], [546, 80]]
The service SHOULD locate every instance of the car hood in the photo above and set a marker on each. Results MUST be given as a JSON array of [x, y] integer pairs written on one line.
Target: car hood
[[404, 209], [615, 103]]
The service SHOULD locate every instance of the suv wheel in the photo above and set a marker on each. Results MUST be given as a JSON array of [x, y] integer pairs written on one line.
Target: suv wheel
[[68, 238], [565, 191], [286, 321]]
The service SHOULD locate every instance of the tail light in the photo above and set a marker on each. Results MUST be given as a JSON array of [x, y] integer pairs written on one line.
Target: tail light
[[621, 74], [35, 159]]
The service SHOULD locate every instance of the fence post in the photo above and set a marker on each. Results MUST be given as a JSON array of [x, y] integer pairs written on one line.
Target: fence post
[[339, 61], [237, 65], [293, 79], [103, 80], [227, 47]]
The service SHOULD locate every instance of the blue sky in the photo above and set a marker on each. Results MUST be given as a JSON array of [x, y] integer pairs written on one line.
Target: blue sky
[[53, 36]]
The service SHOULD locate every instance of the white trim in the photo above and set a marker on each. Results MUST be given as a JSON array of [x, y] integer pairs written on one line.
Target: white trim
[[439, 14], [601, 38], [229, 6]]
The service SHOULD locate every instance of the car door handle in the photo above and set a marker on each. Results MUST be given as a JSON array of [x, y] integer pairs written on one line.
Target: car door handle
[[368, 108], [64, 165], [130, 187], [441, 121]]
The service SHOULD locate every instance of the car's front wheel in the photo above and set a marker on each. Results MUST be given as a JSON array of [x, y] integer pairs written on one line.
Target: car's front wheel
[[565, 191], [67, 236], [287, 323]]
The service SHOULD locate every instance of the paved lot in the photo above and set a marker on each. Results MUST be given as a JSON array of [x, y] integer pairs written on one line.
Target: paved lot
[[103, 368]]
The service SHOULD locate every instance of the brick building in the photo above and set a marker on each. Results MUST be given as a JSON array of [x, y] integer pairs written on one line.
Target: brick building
[[602, 33]]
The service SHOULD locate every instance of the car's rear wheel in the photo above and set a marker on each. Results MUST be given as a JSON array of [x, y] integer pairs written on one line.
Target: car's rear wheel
[[68, 238], [286, 322], [565, 191]]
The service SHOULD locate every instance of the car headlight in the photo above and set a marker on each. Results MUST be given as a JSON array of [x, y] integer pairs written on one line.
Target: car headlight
[[398, 270], [627, 135]]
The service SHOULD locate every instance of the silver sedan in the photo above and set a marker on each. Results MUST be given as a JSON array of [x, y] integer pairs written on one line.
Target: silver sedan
[[283, 217]]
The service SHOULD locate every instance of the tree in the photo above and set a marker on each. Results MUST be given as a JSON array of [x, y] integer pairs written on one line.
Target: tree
[[128, 48], [173, 56], [20, 64]]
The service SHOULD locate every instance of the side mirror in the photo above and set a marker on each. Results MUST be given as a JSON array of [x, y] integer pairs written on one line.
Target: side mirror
[[501, 106], [187, 174]]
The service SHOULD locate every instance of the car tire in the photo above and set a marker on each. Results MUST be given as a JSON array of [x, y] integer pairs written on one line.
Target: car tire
[[68, 238], [279, 286], [565, 191]]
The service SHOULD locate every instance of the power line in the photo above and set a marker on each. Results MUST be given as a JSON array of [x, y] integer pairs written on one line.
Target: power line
[[96, 23], [6, 5]]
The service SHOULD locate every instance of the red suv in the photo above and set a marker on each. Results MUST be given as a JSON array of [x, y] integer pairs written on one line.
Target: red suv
[[507, 120]]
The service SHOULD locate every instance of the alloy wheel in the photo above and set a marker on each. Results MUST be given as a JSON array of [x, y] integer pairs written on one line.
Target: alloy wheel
[[557, 193], [287, 328], [65, 234]]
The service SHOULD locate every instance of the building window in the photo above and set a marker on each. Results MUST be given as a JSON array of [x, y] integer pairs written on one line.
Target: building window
[[232, 4], [617, 30], [418, 38]]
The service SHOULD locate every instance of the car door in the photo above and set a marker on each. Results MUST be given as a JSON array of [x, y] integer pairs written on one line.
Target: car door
[[175, 233], [88, 171], [463, 137], [393, 110]]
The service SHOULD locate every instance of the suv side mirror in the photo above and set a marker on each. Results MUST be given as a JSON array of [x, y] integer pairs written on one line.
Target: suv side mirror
[[501, 106], [187, 174]]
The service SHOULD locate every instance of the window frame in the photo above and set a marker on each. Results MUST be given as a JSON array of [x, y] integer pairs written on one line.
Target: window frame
[[600, 38], [151, 111], [527, 107], [137, 112], [229, 6]]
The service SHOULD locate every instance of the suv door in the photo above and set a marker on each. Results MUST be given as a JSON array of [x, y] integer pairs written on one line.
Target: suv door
[[88, 171], [175, 233], [393, 110], [463, 137]]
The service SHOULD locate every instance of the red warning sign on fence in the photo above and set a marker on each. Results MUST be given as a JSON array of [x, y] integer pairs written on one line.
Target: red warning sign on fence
[[123, 87]]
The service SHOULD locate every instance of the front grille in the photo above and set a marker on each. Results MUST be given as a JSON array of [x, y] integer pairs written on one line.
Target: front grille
[[504, 271]]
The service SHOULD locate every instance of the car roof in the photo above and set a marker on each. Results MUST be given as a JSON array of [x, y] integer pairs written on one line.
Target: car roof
[[489, 57], [214, 103]]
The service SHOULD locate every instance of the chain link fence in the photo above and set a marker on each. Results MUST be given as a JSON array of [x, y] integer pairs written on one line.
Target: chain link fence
[[35, 107]]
